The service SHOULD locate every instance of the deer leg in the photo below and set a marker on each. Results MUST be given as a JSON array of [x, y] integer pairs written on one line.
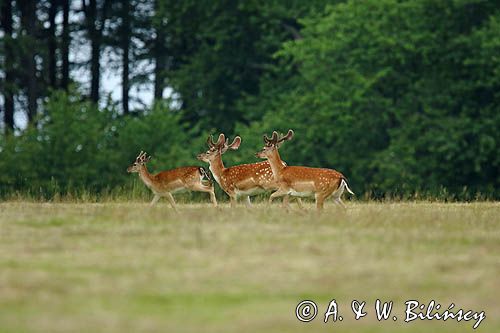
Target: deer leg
[[212, 197], [155, 200], [286, 202], [320, 199], [299, 203], [207, 189], [339, 201], [248, 203], [233, 201], [171, 200], [277, 194], [337, 196]]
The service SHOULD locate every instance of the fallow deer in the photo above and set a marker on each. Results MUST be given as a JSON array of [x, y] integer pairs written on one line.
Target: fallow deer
[[165, 183], [242, 180], [302, 181]]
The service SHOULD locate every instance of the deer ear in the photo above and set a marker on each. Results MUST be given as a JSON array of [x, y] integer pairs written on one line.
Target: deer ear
[[236, 143]]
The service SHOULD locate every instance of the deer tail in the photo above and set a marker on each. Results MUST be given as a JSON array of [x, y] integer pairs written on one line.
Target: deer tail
[[344, 184], [205, 175]]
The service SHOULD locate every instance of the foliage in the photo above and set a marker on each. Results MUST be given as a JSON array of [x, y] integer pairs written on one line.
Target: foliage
[[394, 94], [403, 97], [78, 146]]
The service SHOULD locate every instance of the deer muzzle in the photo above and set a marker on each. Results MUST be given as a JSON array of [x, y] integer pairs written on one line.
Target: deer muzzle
[[260, 154]]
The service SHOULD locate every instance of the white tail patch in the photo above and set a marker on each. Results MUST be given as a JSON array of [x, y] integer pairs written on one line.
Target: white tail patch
[[343, 183], [204, 175]]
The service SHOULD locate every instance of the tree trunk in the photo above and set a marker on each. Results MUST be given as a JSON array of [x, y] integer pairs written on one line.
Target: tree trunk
[[9, 83], [126, 56], [160, 65], [159, 56], [65, 46], [52, 44], [28, 9], [95, 44]]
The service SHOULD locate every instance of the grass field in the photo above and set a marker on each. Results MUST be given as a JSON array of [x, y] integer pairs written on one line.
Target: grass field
[[125, 267]]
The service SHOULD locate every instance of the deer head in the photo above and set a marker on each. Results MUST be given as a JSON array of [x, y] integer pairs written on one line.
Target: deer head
[[140, 160], [273, 143], [216, 149]]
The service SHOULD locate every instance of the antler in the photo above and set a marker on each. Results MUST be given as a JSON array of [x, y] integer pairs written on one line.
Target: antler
[[235, 145], [286, 137], [140, 156], [276, 138], [210, 141], [143, 158], [272, 140], [220, 141]]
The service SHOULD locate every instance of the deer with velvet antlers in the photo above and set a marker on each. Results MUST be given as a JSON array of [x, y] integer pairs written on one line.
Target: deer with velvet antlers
[[302, 181], [165, 183], [243, 180]]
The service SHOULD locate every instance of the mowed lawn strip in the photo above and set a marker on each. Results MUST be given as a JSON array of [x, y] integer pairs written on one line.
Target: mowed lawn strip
[[116, 267]]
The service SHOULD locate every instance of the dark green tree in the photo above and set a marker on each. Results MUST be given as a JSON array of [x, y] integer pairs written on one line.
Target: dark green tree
[[9, 83], [222, 50], [65, 44], [96, 13], [29, 40], [387, 92]]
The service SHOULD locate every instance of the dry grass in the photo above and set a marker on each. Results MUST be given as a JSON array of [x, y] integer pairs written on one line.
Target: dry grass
[[123, 267]]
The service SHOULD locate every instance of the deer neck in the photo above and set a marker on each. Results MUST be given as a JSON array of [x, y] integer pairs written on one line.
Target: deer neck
[[145, 176], [217, 168], [276, 163]]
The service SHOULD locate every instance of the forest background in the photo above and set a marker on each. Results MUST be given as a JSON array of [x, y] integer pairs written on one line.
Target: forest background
[[401, 96]]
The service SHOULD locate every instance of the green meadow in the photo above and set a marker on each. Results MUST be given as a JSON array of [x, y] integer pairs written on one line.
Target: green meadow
[[126, 267]]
